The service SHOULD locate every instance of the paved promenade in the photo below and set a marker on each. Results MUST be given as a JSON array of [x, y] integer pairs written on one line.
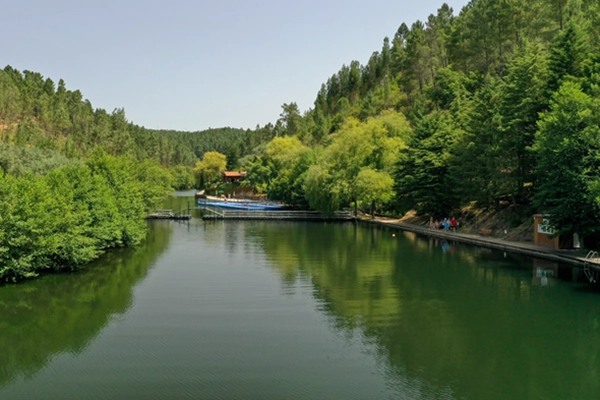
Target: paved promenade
[[574, 257]]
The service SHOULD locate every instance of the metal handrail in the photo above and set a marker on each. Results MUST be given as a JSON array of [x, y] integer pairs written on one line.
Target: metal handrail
[[592, 254], [212, 210], [592, 275], [275, 214]]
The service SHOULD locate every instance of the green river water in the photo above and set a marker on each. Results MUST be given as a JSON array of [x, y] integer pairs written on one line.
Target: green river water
[[291, 310]]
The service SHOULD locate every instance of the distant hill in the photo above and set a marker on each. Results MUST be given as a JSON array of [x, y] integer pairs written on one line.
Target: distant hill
[[36, 112]]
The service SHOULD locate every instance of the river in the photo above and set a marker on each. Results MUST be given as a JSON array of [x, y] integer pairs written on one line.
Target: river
[[291, 310]]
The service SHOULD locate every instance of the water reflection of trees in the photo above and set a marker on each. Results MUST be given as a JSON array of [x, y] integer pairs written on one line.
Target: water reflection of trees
[[64, 313], [465, 319]]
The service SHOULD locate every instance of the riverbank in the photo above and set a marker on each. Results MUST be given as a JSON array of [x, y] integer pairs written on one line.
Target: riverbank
[[574, 257]]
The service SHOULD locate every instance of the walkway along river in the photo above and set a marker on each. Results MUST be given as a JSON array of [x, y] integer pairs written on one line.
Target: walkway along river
[[530, 249]]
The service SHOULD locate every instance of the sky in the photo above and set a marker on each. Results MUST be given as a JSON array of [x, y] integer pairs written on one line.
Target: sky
[[197, 64]]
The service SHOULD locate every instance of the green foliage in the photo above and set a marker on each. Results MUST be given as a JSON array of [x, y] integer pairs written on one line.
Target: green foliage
[[66, 218], [190, 146], [423, 179], [209, 170], [478, 165], [568, 151], [335, 179], [567, 54], [524, 97], [473, 86], [36, 112], [322, 191], [290, 159], [259, 173], [17, 160], [280, 170], [292, 119], [183, 177], [374, 187]]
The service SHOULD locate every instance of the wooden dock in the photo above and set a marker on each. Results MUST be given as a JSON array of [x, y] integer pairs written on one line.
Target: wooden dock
[[213, 214], [169, 214]]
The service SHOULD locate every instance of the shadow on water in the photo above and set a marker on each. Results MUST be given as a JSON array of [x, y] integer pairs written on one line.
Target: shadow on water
[[66, 312], [448, 320], [591, 289]]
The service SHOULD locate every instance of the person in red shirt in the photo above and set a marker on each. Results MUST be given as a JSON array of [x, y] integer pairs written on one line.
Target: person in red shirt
[[453, 224]]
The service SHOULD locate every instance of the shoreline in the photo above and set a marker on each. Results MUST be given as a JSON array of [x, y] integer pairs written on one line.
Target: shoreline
[[565, 256]]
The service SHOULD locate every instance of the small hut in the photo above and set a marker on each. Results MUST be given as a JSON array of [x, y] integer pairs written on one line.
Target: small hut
[[233, 176], [544, 235]]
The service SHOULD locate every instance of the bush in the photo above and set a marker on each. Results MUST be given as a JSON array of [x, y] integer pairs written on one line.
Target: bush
[[68, 217]]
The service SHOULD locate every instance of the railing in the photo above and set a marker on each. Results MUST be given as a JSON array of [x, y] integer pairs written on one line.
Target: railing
[[183, 212], [169, 214], [165, 212], [213, 211], [592, 275], [592, 254], [274, 215]]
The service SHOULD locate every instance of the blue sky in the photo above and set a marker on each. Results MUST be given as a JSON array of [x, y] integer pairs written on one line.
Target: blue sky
[[191, 65]]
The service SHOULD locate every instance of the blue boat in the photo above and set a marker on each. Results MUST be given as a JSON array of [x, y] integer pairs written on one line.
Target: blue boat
[[240, 205]]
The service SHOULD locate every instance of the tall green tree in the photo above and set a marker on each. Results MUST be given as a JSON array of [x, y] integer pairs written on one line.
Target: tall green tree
[[567, 54], [292, 119], [478, 168], [524, 97], [568, 151], [359, 152], [423, 179], [210, 168]]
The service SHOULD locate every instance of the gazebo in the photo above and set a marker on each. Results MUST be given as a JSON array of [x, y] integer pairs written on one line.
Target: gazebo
[[233, 176]]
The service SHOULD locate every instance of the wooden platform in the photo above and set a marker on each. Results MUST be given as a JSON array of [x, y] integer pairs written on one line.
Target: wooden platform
[[213, 214], [174, 217], [168, 214]]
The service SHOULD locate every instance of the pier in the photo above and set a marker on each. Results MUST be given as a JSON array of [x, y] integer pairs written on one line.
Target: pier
[[169, 214], [289, 215]]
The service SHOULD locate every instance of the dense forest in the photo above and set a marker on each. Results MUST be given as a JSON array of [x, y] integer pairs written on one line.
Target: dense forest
[[75, 181], [496, 106], [36, 112]]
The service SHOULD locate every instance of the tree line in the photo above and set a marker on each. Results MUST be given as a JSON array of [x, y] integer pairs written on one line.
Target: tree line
[[64, 218], [498, 105], [36, 112], [75, 181]]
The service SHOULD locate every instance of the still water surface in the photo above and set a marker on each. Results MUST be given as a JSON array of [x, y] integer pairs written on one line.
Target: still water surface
[[280, 310]]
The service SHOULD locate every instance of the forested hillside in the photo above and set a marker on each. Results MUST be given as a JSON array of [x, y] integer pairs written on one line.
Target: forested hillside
[[497, 105], [75, 181], [36, 112]]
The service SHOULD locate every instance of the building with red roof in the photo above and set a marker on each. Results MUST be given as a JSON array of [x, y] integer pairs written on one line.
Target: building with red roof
[[233, 176]]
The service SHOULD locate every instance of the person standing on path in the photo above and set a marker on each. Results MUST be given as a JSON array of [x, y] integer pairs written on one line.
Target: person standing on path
[[453, 224]]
